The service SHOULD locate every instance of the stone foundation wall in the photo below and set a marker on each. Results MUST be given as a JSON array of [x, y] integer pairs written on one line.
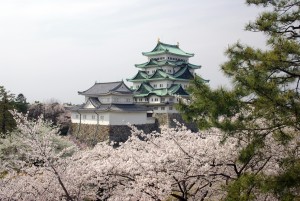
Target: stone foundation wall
[[92, 134], [168, 120]]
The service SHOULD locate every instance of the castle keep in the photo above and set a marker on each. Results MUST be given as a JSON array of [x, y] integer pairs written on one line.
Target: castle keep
[[150, 102]]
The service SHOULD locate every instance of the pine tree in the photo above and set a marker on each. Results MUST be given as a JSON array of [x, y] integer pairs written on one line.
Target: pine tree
[[7, 123], [264, 102], [21, 103]]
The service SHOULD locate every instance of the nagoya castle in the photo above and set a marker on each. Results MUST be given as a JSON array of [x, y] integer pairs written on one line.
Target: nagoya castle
[[164, 77], [148, 104]]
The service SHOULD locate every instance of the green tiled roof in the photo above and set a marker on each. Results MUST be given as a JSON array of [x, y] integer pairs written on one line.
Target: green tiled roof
[[141, 75], [162, 48], [153, 63], [145, 90], [184, 64], [184, 73], [161, 74], [177, 89]]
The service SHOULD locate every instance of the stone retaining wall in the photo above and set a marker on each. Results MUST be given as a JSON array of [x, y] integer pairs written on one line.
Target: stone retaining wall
[[168, 120], [92, 134]]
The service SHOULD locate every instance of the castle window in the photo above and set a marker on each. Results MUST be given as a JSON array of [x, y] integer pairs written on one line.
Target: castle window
[[128, 100], [155, 85], [140, 99], [170, 108], [162, 108], [156, 99], [162, 100], [171, 99], [161, 85], [146, 99], [155, 108]]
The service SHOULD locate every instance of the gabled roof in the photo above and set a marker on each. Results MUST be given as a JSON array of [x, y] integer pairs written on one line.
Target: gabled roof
[[106, 88], [184, 73], [94, 101], [145, 90], [162, 48], [176, 89], [141, 75], [189, 65], [161, 74], [149, 63], [153, 63]]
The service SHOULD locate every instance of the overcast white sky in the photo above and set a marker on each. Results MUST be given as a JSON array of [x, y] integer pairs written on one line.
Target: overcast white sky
[[55, 48]]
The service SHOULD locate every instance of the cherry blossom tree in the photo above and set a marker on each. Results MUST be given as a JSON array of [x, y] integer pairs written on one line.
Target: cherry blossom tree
[[175, 163], [52, 111]]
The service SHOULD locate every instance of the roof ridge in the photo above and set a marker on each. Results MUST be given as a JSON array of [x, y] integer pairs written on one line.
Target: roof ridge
[[108, 82], [168, 44], [116, 86]]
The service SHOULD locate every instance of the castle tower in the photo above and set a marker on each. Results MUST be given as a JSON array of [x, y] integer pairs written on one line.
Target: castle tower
[[164, 77]]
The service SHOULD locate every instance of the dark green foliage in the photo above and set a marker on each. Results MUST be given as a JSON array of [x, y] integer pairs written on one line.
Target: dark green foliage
[[7, 123], [286, 184], [241, 188], [21, 104], [264, 101]]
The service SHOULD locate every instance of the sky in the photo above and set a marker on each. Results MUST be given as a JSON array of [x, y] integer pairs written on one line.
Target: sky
[[51, 49]]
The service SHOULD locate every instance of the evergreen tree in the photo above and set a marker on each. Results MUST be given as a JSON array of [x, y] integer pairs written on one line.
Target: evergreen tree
[[263, 102], [21, 103], [7, 123]]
